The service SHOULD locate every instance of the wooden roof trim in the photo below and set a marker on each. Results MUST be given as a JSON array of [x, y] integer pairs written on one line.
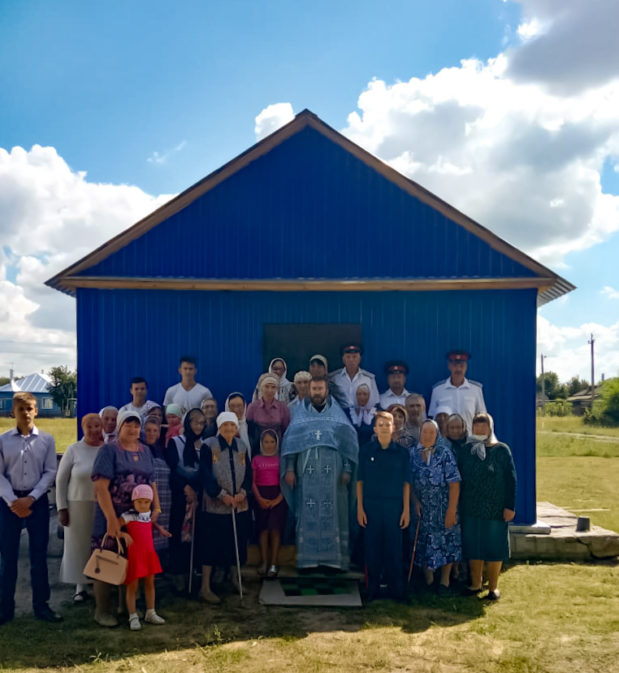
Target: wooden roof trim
[[181, 201], [303, 119], [305, 285]]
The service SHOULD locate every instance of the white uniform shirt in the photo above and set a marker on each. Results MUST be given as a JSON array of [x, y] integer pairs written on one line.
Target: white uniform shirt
[[142, 411], [466, 399], [187, 399], [345, 385], [389, 397]]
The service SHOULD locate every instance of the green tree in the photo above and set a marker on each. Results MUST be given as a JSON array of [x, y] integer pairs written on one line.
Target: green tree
[[63, 388], [575, 385], [606, 407], [549, 383], [4, 380]]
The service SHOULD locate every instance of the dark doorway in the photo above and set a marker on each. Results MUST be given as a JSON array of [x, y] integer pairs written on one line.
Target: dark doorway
[[296, 343]]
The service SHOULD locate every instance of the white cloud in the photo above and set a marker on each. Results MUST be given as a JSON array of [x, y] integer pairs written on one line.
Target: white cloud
[[521, 161], [568, 351], [271, 118], [610, 292], [51, 216], [159, 158]]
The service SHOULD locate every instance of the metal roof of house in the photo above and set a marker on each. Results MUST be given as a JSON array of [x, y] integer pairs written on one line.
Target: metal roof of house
[[33, 383], [94, 271]]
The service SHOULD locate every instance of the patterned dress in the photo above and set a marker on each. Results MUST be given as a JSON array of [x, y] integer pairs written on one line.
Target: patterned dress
[[125, 470], [436, 545]]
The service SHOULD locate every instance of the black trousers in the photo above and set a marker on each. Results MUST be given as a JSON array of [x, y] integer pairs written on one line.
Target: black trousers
[[37, 525], [382, 540]]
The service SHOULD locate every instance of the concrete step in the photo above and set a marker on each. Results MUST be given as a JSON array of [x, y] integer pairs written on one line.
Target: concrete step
[[554, 537]]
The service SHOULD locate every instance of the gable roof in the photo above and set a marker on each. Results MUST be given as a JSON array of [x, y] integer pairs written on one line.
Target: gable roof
[[33, 383], [548, 283]]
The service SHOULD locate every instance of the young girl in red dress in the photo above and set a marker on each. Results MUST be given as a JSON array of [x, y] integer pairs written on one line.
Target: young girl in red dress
[[271, 508], [143, 562]]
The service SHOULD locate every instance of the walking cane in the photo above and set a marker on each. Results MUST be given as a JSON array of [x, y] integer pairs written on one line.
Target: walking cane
[[236, 551], [410, 569], [193, 536]]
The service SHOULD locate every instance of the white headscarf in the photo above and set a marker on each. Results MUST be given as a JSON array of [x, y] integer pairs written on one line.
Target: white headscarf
[[243, 429], [284, 388], [478, 447], [427, 451], [360, 415]]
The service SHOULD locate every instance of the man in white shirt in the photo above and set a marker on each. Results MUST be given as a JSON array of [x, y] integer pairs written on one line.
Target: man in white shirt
[[397, 371], [345, 379], [187, 394], [139, 404], [461, 395]]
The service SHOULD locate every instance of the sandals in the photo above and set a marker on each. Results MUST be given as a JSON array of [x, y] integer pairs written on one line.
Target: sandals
[[273, 572], [79, 596]]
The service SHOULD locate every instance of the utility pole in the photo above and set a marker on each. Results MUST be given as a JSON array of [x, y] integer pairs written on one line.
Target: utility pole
[[592, 343], [542, 357]]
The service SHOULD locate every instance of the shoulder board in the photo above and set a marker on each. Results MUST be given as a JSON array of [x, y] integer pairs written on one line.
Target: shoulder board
[[475, 383], [367, 373], [438, 383]]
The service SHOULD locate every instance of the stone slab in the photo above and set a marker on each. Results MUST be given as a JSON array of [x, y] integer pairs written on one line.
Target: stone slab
[[562, 541]]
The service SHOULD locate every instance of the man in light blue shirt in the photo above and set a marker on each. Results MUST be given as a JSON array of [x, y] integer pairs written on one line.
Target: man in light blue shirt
[[27, 471]]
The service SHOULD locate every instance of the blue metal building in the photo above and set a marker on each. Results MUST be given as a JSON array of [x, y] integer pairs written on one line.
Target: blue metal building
[[307, 233]]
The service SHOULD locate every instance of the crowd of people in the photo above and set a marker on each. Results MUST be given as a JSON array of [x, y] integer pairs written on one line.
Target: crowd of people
[[353, 476]]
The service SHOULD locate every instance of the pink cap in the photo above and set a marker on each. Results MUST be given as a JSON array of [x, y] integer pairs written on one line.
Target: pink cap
[[142, 491]]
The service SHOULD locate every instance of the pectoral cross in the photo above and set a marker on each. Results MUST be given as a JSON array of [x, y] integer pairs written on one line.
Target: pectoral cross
[[318, 434]]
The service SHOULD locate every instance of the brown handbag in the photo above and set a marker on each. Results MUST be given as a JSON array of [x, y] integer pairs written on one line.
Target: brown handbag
[[106, 565]]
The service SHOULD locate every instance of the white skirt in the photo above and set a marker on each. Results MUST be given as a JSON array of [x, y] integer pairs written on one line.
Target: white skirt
[[77, 542]]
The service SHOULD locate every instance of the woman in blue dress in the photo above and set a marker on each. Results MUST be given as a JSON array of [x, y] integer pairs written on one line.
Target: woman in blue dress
[[436, 489]]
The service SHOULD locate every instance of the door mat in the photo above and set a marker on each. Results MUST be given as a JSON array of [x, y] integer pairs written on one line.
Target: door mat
[[311, 591]]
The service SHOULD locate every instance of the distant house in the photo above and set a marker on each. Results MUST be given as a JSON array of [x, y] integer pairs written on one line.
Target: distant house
[[38, 385], [582, 399]]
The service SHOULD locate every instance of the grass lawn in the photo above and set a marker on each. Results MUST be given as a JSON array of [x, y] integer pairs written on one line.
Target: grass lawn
[[64, 430], [552, 618]]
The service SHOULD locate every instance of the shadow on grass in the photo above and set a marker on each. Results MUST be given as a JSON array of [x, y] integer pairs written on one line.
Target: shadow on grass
[[27, 643]]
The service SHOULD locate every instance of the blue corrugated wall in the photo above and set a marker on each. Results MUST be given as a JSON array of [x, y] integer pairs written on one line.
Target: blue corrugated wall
[[125, 333], [308, 209]]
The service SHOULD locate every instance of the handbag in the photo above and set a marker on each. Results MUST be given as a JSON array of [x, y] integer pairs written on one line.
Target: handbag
[[106, 565]]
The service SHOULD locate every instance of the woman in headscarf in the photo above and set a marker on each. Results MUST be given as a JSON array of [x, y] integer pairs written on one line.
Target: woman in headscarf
[[75, 501], [236, 403], [436, 488], [457, 436], [401, 433], [267, 412], [209, 408], [226, 474], [119, 467], [362, 413], [487, 503], [183, 458], [285, 390]]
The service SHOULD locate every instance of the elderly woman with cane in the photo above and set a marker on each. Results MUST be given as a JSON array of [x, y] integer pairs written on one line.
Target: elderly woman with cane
[[226, 474], [436, 488]]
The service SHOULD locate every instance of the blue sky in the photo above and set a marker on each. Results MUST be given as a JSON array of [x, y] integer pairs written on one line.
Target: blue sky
[[130, 102]]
